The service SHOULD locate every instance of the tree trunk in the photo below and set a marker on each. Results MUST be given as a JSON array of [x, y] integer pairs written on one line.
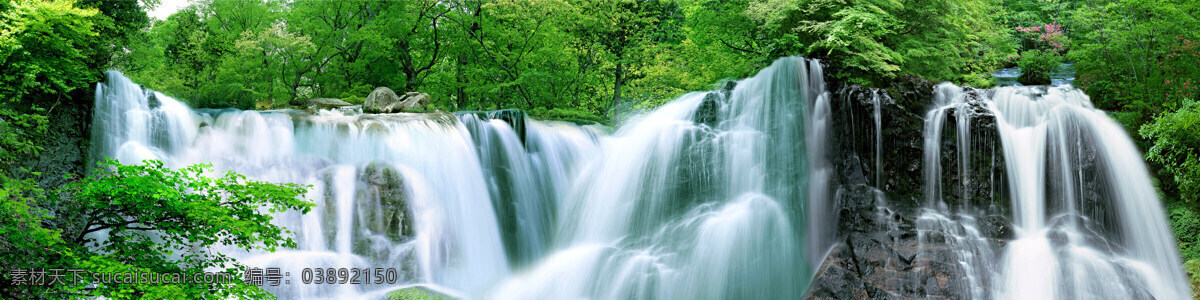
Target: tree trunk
[[617, 84], [462, 82]]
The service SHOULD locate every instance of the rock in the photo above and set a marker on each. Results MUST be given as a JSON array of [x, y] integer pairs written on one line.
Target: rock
[[320, 102], [381, 100], [384, 100], [417, 99], [417, 292], [383, 200], [881, 253], [708, 110], [912, 93]]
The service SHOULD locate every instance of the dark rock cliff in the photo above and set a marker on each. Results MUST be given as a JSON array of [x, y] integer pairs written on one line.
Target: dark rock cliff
[[65, 143], [891, 241]]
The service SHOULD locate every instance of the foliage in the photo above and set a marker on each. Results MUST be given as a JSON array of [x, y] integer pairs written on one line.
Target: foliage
[[1185, 222], [18, 136], [1192, 267], [1176, 147], [146, 218], [1032, 13], [1037, 65], [416, 293], [565, 114], [871, 41], [1136, 55], [1046, 43], [44, 47]]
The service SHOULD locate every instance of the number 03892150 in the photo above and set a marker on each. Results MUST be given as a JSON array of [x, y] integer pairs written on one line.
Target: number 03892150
[[348, 275]]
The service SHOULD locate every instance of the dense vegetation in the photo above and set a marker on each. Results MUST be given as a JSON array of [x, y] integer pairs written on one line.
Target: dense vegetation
[[1138, 59], [546, 56]]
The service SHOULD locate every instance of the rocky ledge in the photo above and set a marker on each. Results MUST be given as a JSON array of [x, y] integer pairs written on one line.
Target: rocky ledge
[[890, 243]]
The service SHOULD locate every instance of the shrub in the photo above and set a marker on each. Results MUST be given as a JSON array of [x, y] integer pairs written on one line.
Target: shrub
[[1176, 147]]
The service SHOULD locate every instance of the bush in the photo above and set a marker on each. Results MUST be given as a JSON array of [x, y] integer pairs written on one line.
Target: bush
[[1192, 267], [566, 114], [1037, 65], [1185, 222], [1046, 44], [1176, 147]]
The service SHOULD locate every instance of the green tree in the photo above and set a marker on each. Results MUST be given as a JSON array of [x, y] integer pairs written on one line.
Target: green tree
[[1176, 147], [44, 47], [146, 218], [870, 41], [1136, 56]]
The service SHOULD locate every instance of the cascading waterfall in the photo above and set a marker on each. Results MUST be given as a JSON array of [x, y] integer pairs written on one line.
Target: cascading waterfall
[[721, 194], [1087, 219], [699, 199]]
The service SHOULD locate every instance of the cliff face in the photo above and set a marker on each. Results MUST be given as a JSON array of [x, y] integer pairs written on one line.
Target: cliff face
[[65, 143], [892, 239]]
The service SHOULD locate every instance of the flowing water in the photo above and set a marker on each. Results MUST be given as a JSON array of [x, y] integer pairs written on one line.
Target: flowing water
[[1088, 222], [717, 195]]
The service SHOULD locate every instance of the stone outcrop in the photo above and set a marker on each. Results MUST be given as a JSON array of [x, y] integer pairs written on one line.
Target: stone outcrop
[[320, 102], [383, 199], [710, 106], [384, 100], [890, 243]]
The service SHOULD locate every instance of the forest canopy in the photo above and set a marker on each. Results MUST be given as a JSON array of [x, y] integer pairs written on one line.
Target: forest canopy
[[582, 56]]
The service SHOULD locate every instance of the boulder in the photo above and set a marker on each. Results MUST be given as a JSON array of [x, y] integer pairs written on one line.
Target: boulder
[[384, 100], [382, 199], [708, 110], [381, 100], [320, 102]]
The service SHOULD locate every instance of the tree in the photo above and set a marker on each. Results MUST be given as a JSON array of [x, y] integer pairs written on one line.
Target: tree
[[1136, 56], [146, 218], [44, 47], [870, 41], [622, 27], [1176, 147]]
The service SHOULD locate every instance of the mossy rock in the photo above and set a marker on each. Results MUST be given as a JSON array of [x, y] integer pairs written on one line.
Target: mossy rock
[[383, 183], [417, 293]]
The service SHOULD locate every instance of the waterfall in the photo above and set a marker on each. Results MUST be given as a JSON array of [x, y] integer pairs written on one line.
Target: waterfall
[[699, 199], [1088, 221], [734, 193]]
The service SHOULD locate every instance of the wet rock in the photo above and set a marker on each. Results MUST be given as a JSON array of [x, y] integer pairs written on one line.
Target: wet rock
[[897, 140], [384, 100], [708, 110], [857, 211], [382, 199], [381, 100], [882, 254], [320, 102], [996, 227], [912, 93]]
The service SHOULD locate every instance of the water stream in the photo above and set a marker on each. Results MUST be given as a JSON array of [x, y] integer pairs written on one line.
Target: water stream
[[723, 194]]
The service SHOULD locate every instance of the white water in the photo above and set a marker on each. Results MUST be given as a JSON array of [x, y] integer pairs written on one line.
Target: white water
[[664, 207], [1080, 234]]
